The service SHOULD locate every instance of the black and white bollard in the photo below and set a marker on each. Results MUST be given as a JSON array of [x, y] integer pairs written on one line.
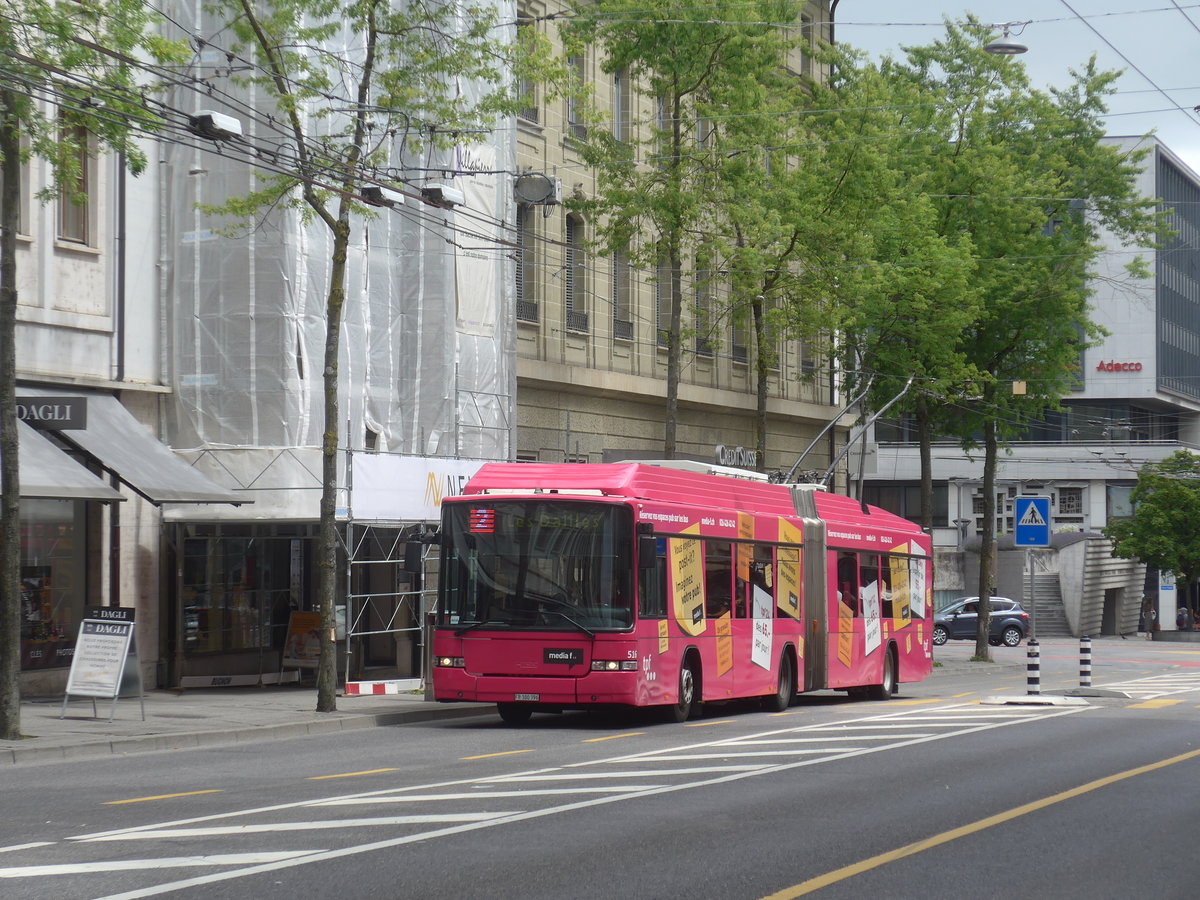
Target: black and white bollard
[[1085, 662], [1033, 678]]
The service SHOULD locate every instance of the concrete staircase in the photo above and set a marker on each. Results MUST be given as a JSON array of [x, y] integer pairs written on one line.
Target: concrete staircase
[[1051, 618]]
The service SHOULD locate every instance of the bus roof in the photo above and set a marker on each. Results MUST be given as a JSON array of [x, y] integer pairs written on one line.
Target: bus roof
[[641, 481]]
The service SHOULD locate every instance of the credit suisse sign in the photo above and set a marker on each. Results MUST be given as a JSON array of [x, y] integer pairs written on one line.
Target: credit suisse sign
[[1113, 366]]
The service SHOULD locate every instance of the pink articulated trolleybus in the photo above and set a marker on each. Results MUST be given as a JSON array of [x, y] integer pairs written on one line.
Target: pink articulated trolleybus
[[568, 586]]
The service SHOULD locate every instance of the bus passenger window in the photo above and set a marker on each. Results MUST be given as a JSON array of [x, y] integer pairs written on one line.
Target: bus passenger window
[[868, 582], [847, 586], [718, 578], [652, 586]]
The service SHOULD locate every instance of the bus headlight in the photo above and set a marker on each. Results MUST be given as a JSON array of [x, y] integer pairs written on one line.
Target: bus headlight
[[614, 665], [450, 662]]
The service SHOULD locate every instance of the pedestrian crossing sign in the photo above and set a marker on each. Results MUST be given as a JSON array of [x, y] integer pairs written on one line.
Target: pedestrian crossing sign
[[1032, 521]]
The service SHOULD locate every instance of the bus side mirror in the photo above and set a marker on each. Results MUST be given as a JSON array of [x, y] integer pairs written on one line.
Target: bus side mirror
[[647, 551]]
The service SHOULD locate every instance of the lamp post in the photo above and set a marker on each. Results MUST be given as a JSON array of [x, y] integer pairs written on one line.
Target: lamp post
[[1006, 46]]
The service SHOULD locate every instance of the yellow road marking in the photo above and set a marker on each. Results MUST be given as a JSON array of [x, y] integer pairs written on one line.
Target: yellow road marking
[[967, 694], [791, 713], [915, 702], [162, 797], [612, 737], [350, 774], [490, 755], [822, 881], [1153, 704], [706, 724]]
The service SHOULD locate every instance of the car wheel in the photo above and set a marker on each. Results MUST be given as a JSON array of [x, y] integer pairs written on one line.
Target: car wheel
[[887, 687], [995, 642], [514, 713], [940, 635], [1012, 636], [785, 692], [682, 710]]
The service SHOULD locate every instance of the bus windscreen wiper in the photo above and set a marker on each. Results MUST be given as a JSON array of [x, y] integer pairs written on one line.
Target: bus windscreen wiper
[[579, 625]]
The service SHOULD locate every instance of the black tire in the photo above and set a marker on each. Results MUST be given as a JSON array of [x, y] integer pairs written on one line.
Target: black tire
[[685, 705], [940, 635], [1012, 636], [995, 642], [887, 687], [785, 691], [514, 713]]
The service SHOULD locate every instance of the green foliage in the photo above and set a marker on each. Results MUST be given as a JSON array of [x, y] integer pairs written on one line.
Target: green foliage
[[79, 64], [1164, 530]]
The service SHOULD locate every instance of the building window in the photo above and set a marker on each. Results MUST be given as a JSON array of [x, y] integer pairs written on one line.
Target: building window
[[662, 127], [703, 307], [576, 126], [526, 270], [620, 106], [1070, 501], [22, 195], [575, 277], [737, 344], [74, 206], [622, 316], [529, 113]]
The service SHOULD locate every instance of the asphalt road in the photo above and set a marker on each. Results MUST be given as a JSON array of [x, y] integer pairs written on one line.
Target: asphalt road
[[934, 794]]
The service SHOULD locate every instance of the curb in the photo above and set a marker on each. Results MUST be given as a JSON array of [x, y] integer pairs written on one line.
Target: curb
[[194, 740]]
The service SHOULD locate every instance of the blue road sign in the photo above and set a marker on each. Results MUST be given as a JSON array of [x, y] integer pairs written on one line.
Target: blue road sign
[[1032, 521]]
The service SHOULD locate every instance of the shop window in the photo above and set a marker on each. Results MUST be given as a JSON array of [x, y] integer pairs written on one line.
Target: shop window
[[52, 581]]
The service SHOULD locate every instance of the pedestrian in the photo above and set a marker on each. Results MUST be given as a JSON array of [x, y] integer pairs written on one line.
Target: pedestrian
[[1149, 615]]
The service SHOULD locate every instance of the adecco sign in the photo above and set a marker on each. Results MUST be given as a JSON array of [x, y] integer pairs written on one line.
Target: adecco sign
[[1112, 366]]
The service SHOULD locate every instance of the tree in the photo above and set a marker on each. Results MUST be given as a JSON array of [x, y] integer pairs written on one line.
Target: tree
[[700, 74], [1164, 530], [68, 73], [355, 87], [1022, 178]]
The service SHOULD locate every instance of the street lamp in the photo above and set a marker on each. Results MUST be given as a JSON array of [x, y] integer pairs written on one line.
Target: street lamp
[[1006, 46]]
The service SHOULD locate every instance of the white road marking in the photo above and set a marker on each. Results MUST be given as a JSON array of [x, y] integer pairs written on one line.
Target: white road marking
[[272, 827], [167, 862], [29, 846], [474, 795], [648, 773]]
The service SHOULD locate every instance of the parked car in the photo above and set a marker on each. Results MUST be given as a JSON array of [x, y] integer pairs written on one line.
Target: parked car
[[958, 621]]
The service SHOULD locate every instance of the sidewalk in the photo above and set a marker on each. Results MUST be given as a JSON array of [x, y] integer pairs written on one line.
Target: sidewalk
[[206, 718], [210, 717]]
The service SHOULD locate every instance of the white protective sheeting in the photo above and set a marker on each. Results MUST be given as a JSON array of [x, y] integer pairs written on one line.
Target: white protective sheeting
[[427, 350]]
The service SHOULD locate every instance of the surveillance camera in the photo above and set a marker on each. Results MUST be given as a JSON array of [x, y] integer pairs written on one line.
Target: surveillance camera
[[443, 195], [214, 126]]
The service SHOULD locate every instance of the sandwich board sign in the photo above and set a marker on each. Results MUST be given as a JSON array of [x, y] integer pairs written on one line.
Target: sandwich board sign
[[103, 665], [1032, 518]]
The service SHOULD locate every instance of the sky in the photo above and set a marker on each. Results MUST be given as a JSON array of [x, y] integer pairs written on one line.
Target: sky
[[1155, 42]]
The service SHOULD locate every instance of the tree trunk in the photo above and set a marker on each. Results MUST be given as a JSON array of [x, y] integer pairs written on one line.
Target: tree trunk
[[762, 368], [925, 444], [10, 487], [674, 349], [327, 555], [987, 548]]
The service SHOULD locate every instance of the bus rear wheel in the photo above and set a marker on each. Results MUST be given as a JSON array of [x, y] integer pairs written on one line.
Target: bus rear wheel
[[785, 691], [887, 685], [514, 713], [682, 710]]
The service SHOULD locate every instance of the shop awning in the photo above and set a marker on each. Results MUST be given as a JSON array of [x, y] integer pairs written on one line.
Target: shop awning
[[120, 443], [48, 473]]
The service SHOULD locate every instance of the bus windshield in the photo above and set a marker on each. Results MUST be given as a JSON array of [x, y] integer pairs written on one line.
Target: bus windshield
[[537, 565]]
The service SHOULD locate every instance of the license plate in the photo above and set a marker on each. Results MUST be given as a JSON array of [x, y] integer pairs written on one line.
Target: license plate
[[532, 698]]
